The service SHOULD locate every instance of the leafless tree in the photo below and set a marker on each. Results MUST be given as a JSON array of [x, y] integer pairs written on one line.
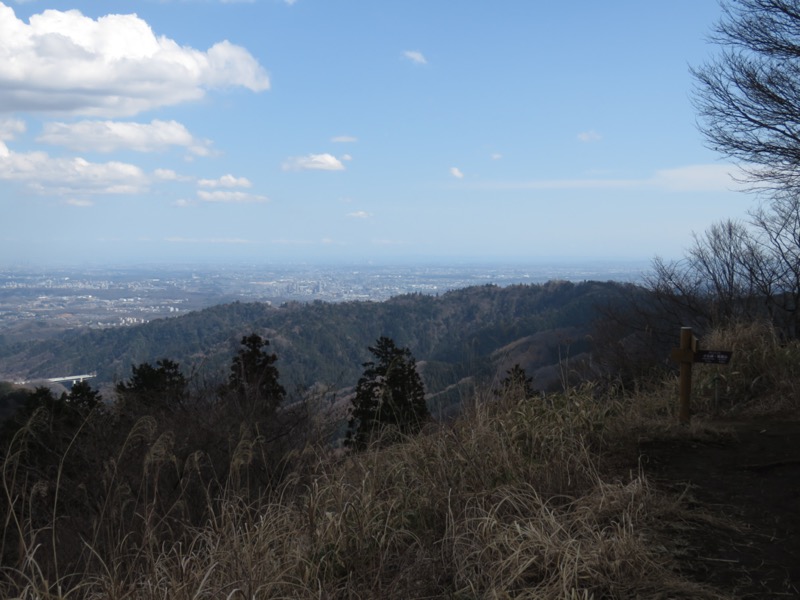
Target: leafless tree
[[716, 282], [777, 226], [748, 97]]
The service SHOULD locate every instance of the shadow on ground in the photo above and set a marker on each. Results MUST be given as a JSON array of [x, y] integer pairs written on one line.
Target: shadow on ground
[[748, 485]]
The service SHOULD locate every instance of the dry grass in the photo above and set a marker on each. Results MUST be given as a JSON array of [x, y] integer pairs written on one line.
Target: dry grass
[[516, 499], [762, 376]]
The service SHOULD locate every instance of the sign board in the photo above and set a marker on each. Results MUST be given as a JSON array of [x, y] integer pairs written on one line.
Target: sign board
[[713, 357]]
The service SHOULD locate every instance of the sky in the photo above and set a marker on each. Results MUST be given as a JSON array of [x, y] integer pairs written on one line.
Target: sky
[[355, 131]]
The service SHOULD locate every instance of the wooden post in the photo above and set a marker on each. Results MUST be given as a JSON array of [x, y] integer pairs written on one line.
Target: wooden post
[[687, 354], [687, 341]]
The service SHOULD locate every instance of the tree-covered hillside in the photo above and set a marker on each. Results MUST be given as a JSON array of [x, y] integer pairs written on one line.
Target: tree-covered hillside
[[474, 332]]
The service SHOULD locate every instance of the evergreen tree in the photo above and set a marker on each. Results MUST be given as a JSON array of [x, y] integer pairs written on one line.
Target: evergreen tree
[[83, 397], [516, 384], [390, 394], [254, 378], [162, 386]]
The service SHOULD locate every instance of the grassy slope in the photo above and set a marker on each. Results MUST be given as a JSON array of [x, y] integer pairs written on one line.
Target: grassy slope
[[516, 499]]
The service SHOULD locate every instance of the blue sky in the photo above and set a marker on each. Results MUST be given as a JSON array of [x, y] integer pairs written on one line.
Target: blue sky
[[354, 130]]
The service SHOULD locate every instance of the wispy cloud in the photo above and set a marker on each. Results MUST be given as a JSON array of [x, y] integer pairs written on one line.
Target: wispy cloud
[[55, 62], [496, 156], [456, 172], [229, 197], [344, 139], [589, 136], [183, 240], [416, 57], [386, 242], [226, 181], [690, 178], [169, 175], [9, 128], [80, 203], [697, 178], [359, 214], [313, 162], [111, 136]]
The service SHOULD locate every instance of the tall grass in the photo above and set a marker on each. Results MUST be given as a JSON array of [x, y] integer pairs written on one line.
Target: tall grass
[[762, 377], [517, 498]]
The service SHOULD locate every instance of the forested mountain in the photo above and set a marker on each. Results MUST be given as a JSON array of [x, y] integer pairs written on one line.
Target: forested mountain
[[472, 333]]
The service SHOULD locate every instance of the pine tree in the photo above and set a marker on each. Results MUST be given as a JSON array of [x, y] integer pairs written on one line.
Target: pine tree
[[254, 378], [390, 394]]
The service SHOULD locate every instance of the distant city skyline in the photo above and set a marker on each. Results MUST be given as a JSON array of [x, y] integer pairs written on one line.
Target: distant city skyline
[[335, 132]]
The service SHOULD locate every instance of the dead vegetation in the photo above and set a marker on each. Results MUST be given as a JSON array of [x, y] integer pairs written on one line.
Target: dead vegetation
[[518, 498]]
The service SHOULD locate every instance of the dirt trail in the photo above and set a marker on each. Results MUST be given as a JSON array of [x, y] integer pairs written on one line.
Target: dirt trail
[[752, 479]]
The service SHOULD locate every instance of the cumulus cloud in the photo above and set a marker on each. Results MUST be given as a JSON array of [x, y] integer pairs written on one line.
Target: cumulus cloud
[[359, 214], [456, 172], [9, 128], [63, 61], [589, 136], [69, 176], [416, 57], [231, 197], [111, 136], [226, 181], [313, 162], [344, 139]]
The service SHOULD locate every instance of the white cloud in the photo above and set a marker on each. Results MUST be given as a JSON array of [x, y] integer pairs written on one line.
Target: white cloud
[[313, 162], [229, 197], [70, 176], [63, 61], [416, 57], [110, 136], [344, 139], [496, 156], [456, 172], [359, 214], [697, 178], [589, 136], [79, 203], [169, 175], [226, 181], [346, 157], [289, 2], [690, 178], [9, 128], [183, 240]]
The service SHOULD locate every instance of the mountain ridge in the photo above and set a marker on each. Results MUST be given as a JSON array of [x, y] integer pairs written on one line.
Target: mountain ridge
[[477, 331]]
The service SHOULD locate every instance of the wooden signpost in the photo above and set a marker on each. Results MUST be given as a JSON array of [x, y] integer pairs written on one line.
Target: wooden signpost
[[687, 354]]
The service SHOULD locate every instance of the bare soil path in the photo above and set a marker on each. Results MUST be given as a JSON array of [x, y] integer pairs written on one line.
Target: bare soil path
[[750, 478]]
